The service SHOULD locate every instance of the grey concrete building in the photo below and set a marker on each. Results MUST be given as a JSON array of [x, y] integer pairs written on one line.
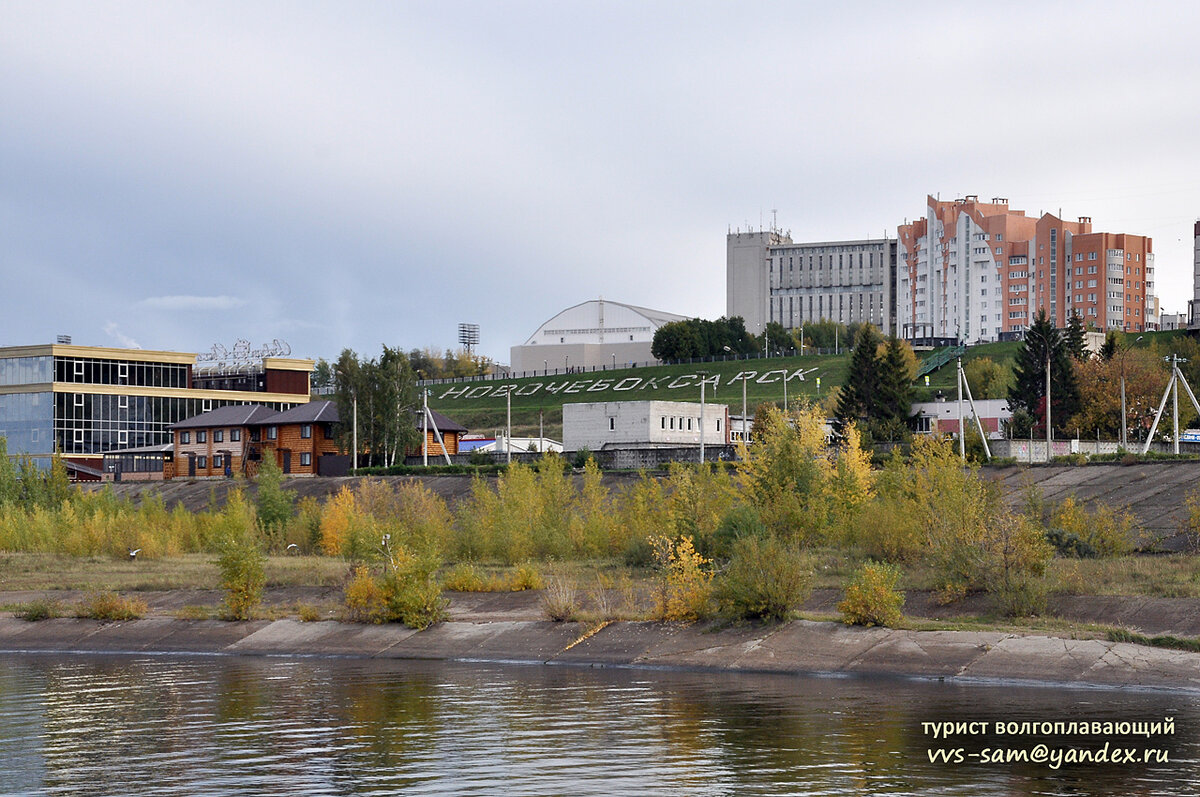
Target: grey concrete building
[[643, 424], [769, 277]]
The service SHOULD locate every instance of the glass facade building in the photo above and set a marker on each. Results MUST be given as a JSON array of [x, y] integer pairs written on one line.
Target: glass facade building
[[83, 401]]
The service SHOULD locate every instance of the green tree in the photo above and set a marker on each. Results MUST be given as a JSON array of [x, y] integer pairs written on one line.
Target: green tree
[[987, 378], [894, 396], [322, 376], [824, 335], [859, 396], [274, 505], [1074, 338], [386, 395], [10, 487], [676, 340], [1109, 349], [1044, 344], [776, 339]]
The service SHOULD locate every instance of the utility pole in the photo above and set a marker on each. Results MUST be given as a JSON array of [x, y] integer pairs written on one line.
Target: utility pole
[[962, 429], [702, 383], [508, 433], [1049, 433], [425, 427], [745, 437], [1172, 388]]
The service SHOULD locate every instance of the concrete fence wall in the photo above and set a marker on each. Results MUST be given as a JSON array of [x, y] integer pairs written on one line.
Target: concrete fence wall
[[1025, 451]]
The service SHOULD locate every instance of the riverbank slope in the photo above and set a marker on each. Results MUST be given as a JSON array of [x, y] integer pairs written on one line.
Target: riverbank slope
[[797, 647]]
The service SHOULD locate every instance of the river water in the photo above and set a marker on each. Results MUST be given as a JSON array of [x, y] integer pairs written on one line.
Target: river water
[[132, 725]]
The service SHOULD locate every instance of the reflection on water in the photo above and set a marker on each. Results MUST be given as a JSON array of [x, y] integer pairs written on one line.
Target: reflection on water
[[215, 726]]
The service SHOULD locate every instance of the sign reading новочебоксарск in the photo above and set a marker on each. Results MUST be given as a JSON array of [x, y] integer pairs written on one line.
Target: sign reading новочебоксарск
[[628, 384]]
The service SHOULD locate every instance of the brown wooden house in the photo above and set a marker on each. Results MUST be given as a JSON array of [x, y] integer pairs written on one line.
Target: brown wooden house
[[451, 432], [303, 438], [220, 442], [233, 440]]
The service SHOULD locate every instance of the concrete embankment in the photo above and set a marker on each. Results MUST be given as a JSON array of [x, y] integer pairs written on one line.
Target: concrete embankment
[[798, 647]]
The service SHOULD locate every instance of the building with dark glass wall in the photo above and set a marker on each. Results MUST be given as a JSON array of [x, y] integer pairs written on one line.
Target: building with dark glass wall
[[83, 401]]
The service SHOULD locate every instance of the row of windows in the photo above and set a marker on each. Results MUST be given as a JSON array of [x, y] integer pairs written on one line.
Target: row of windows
[[91, 424], [25, 370], [84, 370], [235, 434], [668, 422]]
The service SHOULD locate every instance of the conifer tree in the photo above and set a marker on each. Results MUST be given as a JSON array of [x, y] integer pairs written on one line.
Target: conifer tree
[[859, 396], [1075, 341], [1028, 391], [1109, 349], [894, 402]]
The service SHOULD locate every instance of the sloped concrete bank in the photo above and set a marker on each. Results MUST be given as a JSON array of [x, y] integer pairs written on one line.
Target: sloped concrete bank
[[798, 647]]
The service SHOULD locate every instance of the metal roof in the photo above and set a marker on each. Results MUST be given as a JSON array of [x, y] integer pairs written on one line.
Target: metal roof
[[312, 412], [233, 415]]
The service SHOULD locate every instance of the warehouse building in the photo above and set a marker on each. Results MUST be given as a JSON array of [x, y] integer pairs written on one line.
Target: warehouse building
[[591, 335]]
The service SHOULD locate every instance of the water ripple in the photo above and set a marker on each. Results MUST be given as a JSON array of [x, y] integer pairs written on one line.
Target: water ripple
[[77, 725]]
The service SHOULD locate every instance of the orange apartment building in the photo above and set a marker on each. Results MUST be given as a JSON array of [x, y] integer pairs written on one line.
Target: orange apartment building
[[979, 271]]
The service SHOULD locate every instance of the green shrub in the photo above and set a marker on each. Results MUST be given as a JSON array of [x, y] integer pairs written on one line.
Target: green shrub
[[40, 609], [408, 593], [740, 522], [415, 597], [890, 530], [240, 561], [110, 606], [872, 597], [274, 505], [1109, 532], [1068, 543], [524, 577], [1017, 555], [765, 579], [464, 577], [580, 460]]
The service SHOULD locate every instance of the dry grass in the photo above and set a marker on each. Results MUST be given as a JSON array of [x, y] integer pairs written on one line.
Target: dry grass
[[1163, 576], [38, 571]]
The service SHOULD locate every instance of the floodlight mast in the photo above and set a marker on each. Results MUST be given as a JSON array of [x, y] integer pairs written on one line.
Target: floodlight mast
[[468, 336]]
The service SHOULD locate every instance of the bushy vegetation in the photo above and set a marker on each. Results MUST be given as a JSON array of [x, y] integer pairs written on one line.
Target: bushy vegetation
[[872, 598], [737, 542], [109, 606], [765, 579]]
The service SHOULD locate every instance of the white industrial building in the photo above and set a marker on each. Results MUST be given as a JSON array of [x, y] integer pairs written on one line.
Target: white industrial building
[[643, 424], [592, 334]]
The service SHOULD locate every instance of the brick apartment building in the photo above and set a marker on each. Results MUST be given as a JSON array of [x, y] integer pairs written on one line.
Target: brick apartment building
[[979, 271]]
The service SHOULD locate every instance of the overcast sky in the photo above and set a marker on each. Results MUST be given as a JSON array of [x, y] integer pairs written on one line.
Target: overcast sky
[[174, 175]]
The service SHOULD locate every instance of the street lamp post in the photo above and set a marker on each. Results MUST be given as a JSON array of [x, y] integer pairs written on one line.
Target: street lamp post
[[1125, 423], [743, 375]]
